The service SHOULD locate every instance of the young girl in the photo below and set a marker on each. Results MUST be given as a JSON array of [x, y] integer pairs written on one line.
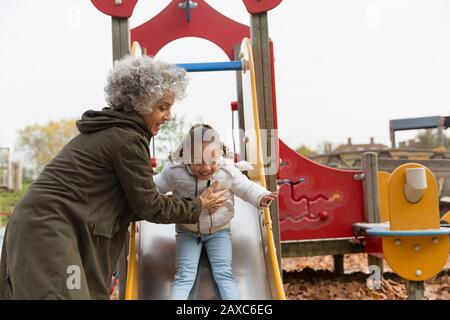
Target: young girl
[[200, 161]]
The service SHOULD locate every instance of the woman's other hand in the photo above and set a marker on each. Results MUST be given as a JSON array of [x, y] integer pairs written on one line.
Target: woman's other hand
[[211, 199]]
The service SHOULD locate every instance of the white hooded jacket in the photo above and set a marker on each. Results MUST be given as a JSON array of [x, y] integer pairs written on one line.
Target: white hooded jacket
[[178, 178]]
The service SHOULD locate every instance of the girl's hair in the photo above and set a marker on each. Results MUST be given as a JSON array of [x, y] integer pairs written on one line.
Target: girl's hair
[[134, 84], [199, 133]]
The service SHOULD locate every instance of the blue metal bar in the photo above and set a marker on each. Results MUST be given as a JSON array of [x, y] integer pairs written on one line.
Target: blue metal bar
[[384, 232], [211, 66]]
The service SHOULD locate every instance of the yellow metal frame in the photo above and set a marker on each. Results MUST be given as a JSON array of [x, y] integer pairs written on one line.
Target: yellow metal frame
[[131, 292], [132, 286], [262, 179]]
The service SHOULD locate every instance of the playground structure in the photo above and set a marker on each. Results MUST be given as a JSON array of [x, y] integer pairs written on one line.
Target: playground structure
[[436, 159], [414, 244], [321, 210], [350, 156], [439, 122]]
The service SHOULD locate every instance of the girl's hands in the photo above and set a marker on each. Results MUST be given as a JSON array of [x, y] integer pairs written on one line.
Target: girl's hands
[[266, 200], [211, 199]]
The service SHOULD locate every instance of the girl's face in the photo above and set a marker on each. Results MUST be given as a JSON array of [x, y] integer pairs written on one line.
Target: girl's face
[[160, 114], [204, 166]]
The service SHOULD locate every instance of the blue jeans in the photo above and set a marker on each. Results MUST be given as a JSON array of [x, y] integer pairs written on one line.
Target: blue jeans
[[188, 250]]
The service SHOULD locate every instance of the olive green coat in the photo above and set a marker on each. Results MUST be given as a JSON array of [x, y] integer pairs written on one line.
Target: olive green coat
[[74, 218]]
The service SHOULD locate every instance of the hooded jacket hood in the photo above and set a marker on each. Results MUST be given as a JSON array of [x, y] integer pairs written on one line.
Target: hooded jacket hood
[[93, 121]]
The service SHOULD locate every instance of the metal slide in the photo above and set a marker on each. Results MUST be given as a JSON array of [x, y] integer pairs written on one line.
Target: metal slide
[[157, 259], [151, 264]]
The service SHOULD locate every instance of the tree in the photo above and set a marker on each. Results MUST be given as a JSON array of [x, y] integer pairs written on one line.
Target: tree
[[429, 139], [426, 139], [306, 151], [42, 142]]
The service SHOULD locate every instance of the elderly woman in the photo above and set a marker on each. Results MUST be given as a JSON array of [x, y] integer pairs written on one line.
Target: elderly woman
[[73, 220]]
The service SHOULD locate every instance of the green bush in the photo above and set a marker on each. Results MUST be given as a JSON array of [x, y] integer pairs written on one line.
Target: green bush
[[3, 221]]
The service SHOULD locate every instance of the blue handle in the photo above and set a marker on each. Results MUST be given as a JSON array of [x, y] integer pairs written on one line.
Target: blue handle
[[384, 232], [211, 66]]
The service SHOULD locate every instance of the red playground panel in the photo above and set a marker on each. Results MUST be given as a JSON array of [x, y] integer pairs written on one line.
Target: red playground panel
[[260, 6], [206, 23], [315, 201], [122, 9]]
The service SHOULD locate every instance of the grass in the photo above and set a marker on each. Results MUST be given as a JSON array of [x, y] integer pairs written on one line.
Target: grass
[[3, 221], [9, 199]]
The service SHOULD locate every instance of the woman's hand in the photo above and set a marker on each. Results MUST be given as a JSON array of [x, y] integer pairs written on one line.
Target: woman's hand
[[266, 200], [212, 200]]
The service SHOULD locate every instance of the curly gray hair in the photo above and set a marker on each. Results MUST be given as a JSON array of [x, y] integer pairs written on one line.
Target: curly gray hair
[[136, 83]]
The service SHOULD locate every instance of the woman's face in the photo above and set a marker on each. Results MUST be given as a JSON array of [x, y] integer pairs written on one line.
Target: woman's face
[[160, 114]]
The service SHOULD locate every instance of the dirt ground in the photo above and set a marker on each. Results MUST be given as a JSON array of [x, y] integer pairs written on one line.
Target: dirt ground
[[312, 278]]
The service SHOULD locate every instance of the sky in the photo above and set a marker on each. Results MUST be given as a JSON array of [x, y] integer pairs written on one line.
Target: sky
[[344, 68]]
